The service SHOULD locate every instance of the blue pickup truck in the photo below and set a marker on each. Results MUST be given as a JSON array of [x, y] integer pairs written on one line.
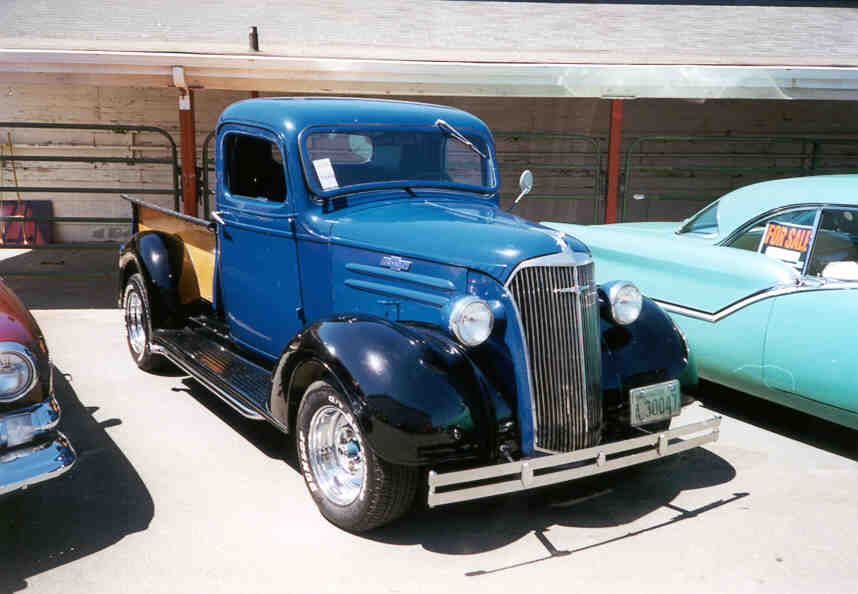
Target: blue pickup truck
[[357, 286]]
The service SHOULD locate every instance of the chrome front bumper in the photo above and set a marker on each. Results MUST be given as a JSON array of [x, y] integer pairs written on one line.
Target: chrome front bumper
[[463, 485], [45, 455]]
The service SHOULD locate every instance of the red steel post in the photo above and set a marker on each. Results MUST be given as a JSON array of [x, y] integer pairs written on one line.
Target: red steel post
[[614, 139], [187, 140]]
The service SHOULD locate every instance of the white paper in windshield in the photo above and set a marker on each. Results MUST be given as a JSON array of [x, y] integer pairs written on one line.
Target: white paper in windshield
[[325, 173]]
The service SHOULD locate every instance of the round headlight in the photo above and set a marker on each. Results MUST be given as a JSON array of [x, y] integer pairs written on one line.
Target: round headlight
[[17, 374], [626, 301], [471, 320]]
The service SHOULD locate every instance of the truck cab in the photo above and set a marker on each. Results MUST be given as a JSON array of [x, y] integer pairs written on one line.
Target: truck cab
[[358, 286]]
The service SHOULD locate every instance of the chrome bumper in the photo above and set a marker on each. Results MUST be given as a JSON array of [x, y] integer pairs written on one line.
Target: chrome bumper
[[463, 485], [24, 464]]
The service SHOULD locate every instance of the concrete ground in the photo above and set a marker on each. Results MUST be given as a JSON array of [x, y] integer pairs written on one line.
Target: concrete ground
[[176, 493]]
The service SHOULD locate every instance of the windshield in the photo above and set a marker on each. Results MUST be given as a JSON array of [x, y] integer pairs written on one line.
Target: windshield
[[704, 222], [338, 159]]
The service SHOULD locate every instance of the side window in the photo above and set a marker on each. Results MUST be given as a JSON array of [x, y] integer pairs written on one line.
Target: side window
[[254, 168], [835, 249], [751, 238]]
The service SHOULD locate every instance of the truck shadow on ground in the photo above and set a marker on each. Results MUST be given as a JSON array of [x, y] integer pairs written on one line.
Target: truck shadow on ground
[[266, 438], [613, 499], [610, 500], [101, 500], [784, 421]]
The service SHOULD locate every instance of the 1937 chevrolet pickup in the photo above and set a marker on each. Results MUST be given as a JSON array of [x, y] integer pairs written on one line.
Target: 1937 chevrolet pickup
[[358, 287]]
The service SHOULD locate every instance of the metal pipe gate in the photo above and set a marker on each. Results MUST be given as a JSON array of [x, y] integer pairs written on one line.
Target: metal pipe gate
[[110, 189]]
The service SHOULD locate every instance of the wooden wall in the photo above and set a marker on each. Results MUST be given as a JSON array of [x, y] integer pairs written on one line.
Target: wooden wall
[[530, 133]]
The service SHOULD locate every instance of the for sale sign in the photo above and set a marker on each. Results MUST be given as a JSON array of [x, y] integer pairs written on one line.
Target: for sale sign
[[787, 242]]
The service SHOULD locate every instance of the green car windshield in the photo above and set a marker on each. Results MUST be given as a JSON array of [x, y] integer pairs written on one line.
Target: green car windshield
[[346, 159], [704, 222]]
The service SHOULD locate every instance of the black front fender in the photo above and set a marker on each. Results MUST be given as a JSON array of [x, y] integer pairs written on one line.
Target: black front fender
[[419, 400], [648, 351]]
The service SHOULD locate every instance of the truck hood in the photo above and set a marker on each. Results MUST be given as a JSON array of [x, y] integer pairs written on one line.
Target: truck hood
[[481, 237]]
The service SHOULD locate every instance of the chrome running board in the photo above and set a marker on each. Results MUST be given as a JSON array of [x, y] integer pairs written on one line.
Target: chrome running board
[[238, 382]]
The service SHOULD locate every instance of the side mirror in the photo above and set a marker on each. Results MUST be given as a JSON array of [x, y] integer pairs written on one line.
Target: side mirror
[[525, 184]]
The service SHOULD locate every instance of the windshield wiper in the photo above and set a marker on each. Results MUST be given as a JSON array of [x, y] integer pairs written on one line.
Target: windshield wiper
[[459, 136]]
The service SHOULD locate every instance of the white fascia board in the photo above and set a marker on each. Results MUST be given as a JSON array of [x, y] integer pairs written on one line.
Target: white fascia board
[[408, 77]]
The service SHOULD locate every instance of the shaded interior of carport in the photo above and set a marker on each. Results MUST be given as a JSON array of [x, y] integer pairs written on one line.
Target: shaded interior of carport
[[653, 130]]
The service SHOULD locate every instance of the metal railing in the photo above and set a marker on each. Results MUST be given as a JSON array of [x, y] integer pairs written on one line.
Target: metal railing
[[17, 189], [569, 162], [719, 164]]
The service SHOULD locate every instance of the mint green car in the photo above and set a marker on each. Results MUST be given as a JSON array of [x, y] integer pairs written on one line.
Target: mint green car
[[763, 283]]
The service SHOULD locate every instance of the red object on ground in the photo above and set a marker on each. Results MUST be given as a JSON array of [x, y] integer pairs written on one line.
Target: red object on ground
[[26, 232]]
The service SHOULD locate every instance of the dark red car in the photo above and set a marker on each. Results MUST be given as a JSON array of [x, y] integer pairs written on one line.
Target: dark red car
[[31, 449]]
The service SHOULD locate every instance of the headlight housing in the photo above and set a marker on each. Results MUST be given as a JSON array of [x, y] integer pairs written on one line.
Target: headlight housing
[[625, 301], [17, 371], [470, 320]]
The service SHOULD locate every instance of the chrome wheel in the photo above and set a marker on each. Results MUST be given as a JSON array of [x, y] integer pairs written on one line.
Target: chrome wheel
[[134, 322], [336, 455]]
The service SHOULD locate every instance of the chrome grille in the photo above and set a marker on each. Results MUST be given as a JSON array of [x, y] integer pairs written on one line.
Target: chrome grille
[[558, 308]]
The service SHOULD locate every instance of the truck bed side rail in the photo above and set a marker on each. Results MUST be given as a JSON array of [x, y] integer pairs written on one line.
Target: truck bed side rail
[[210, 225]]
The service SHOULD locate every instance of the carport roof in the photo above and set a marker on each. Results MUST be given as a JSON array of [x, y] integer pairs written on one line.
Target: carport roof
[[619, 48]]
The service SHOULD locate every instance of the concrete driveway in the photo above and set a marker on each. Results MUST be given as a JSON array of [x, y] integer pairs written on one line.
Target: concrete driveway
[[176, 493]]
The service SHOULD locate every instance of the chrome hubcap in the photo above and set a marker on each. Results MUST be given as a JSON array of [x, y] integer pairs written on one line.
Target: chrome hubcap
[[134, 322], [336, 455]]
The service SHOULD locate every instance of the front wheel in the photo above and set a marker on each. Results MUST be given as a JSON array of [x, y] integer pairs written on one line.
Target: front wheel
[[353, 488], [138, 324]]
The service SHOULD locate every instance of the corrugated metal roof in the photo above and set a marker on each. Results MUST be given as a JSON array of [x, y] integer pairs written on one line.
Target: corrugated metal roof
[[586, 49], [609, 32]]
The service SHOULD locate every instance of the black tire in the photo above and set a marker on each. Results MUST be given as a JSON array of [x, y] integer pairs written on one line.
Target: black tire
[[386, 491], [138, 319]]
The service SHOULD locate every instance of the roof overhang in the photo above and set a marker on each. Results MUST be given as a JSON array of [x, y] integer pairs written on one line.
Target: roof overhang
[[410, 77]]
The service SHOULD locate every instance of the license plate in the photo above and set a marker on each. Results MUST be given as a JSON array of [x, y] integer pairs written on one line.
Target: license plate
[[657, 402]]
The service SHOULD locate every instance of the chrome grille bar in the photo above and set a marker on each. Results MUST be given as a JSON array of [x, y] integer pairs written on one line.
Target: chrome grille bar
[[558, 310]]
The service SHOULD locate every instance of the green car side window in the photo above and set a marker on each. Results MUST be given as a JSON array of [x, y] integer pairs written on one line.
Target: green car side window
[[835, 250], [750, 238], [704, 222]]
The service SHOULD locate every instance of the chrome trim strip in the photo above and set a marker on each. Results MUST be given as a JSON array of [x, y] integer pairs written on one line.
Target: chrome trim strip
[[770, 293], [538, 261], [566, 258], [557, 469], [239, 407], [393, 291], [23, 467], [582, 368], [418, 279]]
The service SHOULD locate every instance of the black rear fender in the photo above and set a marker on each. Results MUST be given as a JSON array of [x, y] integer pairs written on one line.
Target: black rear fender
[[157, 257]]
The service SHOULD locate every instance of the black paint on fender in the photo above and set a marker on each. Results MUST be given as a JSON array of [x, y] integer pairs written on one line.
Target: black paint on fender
[[647, 351], [419, 400], [157, 257]]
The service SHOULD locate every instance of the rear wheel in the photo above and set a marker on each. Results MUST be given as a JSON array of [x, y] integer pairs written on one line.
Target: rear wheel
[[138, 324], [353, 488]]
